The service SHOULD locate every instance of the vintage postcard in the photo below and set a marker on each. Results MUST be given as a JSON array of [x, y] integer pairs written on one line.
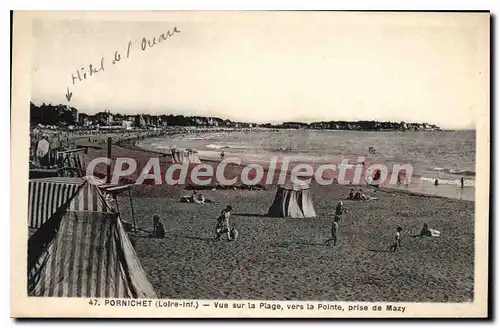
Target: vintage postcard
[[250, 164]]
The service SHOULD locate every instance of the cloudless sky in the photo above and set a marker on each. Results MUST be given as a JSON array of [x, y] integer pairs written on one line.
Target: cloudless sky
[[271, 67]]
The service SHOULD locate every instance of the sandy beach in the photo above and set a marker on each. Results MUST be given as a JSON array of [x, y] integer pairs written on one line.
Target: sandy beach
[[285, 259]]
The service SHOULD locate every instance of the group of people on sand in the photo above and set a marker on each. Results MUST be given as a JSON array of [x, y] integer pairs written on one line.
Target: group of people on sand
[[359, 195], [222, 227], [396, 242], [195, 197]]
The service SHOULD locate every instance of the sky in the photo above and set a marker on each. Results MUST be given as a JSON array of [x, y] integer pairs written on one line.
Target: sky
[[269, 67]]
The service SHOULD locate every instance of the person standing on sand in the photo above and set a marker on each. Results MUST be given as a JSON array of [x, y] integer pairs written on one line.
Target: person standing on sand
[[461, 182], [339, 211], [42, 151], [397, 240], [220, 226], [223, 225], [334, 232], [60, 160]]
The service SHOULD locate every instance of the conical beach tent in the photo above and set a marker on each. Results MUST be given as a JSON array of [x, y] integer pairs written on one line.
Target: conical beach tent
[[185, 156], [84, 251], [193, 156], [293, 201], [178, 156]]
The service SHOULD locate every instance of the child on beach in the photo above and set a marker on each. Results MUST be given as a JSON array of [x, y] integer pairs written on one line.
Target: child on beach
[[158, 229], [223, 224], [339, 211], [397, 240], [425, 231], [335, 229]]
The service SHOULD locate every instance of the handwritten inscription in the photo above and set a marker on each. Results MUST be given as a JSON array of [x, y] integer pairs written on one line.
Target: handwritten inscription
[[85, 72], [150, 43], [68, 94]]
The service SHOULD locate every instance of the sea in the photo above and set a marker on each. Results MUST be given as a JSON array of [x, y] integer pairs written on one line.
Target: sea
[[446, 156]]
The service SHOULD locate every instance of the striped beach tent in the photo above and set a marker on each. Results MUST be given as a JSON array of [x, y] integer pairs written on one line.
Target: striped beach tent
[[293, 201], [192, 156], [47, 195], [84, 251], [185, 156], [72, 157]]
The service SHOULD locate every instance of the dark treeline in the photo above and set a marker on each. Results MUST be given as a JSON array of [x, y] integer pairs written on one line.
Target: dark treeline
[[362, 125], [60, 115], [51, 114]]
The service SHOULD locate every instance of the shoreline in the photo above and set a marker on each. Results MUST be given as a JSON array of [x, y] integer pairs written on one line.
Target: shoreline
[[131, 144]]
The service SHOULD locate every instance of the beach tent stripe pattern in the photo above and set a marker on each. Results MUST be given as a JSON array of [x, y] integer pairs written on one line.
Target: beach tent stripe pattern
[[88, 258], [292, 201], [88, 199], [46, 196], [88, 255], [178, 156], [185, 156], [193, 156], [72, 158]]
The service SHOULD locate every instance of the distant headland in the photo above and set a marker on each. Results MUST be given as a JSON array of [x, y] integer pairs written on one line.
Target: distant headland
[[69, 117]]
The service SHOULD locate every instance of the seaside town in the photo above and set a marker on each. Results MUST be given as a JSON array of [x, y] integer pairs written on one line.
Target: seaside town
[[61, 116]]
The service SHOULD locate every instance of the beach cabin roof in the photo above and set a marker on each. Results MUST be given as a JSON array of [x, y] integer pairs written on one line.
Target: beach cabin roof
[[294, 186], [47, 195]]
